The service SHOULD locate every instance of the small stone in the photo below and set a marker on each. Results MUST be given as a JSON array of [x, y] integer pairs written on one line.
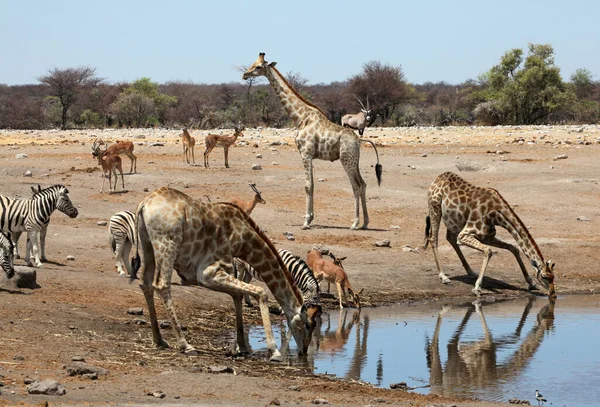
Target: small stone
[[20, 156], [102, 223], [561, 157], [583, 219], [145, 189], [424, 155], [158, 394], [28, 173], [275, 402], [80, 369], [383, 243], [91, 376], [321, 180], [164, 325], [78, 359], [135, 311], [150, 162], [51, 387], [140, 136], [394, 227], [294, 388], [275, 143], [399, 386], [258, 155], [155, 144], [320, 401], [27, 380], [139, 321], [289, 236], [257, 167], [70, 257], [406, 248], [220, 369], [18, 357]]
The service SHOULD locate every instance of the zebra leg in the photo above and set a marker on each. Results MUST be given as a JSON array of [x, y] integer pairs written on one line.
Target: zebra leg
[[34, 238], [125, 257], [15, 239], [119, 257], [43, 242]]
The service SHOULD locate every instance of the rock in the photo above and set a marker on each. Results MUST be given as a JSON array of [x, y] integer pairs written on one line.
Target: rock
[[102, 223], [27, 380], [20, 156], [294, 388], [399, 386], [383, 243], [155, 144], [139, 321], [257, 167], [321, 180], [275, 402], [518, 401], [320, 401], [407, 248], [51, 387], [289, 236], [91, 376], [28, 173], [583, 219], [158, 394], [220, 369], [258, 155], [150, 162], [135, 311], [561, 157], [78, 359], [70, 257], [424, 155], [18, 357], [145, 189], [579, 130], [275, 143], [164, 325], [80, 369], [139, 136], [394, 227]]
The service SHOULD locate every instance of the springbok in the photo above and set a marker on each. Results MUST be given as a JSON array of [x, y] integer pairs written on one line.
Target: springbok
[[188, 145], [109, 163], [248, 207], [214, 140], [124, 148], [358, 121], [326, 270]]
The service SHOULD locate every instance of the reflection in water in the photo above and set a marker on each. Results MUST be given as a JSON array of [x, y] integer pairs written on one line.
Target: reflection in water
[[474, 364]]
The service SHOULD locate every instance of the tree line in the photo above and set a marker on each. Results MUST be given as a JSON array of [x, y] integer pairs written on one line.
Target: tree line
[[521, 89]]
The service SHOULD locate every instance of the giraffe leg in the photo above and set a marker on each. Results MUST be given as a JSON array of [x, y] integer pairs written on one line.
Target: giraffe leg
[[435, 217], [359, 188], [515, 251], [471, 241], [243, 346], [452, 239], [219, 277], [309, 188]]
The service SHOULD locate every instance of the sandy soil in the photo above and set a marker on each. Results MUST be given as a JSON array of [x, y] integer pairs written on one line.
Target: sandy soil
[[80, 307]]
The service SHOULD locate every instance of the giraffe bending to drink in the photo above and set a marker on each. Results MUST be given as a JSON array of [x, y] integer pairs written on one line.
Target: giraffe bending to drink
[[471, 215], [319, 138], [199, 240]]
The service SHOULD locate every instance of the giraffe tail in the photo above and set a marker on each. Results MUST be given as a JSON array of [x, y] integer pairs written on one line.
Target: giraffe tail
[[427, 231], [136, 261], [378, 167]]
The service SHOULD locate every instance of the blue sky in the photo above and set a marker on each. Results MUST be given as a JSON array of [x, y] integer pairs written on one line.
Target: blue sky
[[324, 41]]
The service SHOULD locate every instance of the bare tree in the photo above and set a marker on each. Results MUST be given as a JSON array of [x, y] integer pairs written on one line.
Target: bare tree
[[66, 84]]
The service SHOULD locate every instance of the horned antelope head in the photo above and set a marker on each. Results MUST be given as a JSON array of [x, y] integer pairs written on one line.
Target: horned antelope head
[[258, 68], [366, 110], [238, 128], [337, 260], [355, 297], [96, 149], [258, 196]]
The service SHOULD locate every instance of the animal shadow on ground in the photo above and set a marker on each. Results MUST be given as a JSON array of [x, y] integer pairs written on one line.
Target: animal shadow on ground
[[488, 283], [317, 226], [119, 192], [9, 290]]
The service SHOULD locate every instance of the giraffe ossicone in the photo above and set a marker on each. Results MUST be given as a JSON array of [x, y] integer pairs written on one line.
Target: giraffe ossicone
[[471, 214], [319, 138]]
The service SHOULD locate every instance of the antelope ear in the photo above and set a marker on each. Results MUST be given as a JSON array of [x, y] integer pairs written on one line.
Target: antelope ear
[[360, 292], [272, 64], [550, 264], [342, 258]]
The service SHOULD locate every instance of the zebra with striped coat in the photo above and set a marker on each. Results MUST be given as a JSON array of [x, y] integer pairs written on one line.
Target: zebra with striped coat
[[6, 255], [33, 215], [302, 274], [122, 233]]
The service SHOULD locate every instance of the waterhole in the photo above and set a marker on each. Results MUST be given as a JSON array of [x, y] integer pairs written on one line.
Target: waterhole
[[490, 351]]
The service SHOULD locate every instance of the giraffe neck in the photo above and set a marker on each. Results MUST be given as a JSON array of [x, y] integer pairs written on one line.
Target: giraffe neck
[[300, 110], [510, 221]]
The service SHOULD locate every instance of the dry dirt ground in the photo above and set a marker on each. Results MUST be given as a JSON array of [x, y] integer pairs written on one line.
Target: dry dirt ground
[[80, 306]]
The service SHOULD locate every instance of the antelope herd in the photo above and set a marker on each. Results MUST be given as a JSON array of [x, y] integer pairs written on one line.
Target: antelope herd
[[220, 247]]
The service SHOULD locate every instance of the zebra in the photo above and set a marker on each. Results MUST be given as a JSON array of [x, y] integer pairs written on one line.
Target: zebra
[[6, 255], [121, 230], [302, 274], [32, 216]]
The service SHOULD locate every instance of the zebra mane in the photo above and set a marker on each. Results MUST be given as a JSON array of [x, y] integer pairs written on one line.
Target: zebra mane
[[49, 190]]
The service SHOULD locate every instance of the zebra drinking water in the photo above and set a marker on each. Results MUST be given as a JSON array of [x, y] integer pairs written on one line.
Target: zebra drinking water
[[32, 216], [6, 255]]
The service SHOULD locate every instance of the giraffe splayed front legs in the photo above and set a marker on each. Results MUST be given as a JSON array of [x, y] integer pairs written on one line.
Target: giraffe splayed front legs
[[471, 215], [318, 138], [199, 241]]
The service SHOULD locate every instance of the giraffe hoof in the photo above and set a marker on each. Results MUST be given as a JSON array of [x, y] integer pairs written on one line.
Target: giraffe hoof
[[446, 280], [532, 287], [476, 291], [305, 227], [190, 352], [276, 358]]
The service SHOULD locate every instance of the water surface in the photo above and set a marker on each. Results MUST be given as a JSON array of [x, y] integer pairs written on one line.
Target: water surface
[[492, 351]]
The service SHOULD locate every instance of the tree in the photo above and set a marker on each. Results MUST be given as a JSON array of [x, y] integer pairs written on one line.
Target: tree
[[141, 104], [383, 84], [66, 85], [583, 83], [526, 91]]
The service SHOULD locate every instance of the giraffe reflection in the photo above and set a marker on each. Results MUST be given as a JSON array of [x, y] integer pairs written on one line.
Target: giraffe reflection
[[475, 364]]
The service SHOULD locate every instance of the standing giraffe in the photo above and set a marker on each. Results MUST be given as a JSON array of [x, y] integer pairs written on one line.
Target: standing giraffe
[[199, 241], [318, 138], [471, 215]]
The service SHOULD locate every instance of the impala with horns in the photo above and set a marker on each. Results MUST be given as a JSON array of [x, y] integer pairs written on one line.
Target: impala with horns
[[248, 207], [215, 140], [358, 121], [124, 148], [110, 163]]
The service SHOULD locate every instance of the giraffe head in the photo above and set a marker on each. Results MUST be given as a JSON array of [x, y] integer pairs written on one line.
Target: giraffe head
[[545, 275], [303, 324], [258, 68]]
